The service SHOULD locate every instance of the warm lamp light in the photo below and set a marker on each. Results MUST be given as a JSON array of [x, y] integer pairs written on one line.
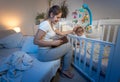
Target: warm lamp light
[[16, 29]]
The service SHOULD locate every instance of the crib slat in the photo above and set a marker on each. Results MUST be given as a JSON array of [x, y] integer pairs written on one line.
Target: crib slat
[[109, 62], [72, 42], [75, 52], [102, 34], [101, 51], [91, 58], [115, 34], [80, 49], [85, 44], [108, 33]]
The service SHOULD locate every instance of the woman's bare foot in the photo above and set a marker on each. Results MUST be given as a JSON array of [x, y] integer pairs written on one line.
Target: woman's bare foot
[[67, 74]]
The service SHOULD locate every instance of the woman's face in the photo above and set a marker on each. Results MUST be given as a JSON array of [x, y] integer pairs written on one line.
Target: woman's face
[[56, 18]]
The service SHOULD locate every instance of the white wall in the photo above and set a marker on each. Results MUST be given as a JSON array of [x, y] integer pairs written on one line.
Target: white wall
[[20, 13], [103, 9], [72, 5]]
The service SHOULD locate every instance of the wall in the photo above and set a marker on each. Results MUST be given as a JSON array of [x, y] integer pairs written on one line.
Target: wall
[[20, 13], [103, 9], [72, 5]]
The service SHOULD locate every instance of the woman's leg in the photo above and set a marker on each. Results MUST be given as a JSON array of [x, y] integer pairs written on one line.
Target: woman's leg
[[65, 51]]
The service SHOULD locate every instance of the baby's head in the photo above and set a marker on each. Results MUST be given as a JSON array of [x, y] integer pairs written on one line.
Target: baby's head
[[79, 31]]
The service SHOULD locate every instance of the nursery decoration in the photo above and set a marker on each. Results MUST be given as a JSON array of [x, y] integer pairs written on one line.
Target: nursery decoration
[[40, 17], [85, 6], [64, 9], [83, 16]]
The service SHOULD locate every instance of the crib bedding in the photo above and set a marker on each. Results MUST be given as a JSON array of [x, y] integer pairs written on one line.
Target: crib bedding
[[40, 71]]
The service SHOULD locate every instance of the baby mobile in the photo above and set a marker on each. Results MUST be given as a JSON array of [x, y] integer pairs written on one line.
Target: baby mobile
[[83, 16]]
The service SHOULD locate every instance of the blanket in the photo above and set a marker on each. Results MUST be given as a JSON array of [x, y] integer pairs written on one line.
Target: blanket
[[13, 67]]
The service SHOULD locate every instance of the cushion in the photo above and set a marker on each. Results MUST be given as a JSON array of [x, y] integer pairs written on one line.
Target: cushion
[[4, 33], [29, 46], [12, 41]]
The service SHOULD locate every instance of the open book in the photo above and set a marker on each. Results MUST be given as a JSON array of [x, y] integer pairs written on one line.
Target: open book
[[59, 37]]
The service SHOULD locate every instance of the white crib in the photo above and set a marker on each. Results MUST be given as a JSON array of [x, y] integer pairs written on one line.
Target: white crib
[[94, 57]]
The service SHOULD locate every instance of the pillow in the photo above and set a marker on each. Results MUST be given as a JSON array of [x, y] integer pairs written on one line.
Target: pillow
[[5, 33], [29, 46], [11, 41]]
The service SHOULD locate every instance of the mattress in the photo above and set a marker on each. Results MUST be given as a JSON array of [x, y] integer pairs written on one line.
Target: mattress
[[40, 71]]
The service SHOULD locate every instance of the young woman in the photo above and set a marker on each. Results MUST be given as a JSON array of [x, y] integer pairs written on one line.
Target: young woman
[[53, 49]]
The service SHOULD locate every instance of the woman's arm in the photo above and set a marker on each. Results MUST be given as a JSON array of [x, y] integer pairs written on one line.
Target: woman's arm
[[64, 32], [38, 40]]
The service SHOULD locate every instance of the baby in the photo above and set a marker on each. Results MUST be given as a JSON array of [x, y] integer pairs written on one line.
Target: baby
[[79, 31]]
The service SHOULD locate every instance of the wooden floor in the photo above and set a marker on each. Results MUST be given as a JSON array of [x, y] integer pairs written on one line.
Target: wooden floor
[[77, 77]]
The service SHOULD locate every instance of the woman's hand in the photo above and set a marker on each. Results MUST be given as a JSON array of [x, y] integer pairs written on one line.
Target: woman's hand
[[74, 29], [56, 43], [63, 33]]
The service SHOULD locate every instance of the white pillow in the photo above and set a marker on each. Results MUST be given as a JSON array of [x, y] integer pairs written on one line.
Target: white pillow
[[11, 41], [5, 33], [29, 46]]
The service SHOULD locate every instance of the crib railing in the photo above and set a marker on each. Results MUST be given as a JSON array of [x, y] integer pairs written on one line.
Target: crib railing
[[108, 29], [85, 62]]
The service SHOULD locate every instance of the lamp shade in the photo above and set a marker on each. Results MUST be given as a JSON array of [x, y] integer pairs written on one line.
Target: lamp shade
[[16, 29]]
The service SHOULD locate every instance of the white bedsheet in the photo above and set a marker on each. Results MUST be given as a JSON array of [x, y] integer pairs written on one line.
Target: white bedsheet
[[40, 72]]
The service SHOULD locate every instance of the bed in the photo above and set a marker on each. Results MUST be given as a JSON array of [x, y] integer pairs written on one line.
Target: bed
[[11, 42], [94, 57]]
